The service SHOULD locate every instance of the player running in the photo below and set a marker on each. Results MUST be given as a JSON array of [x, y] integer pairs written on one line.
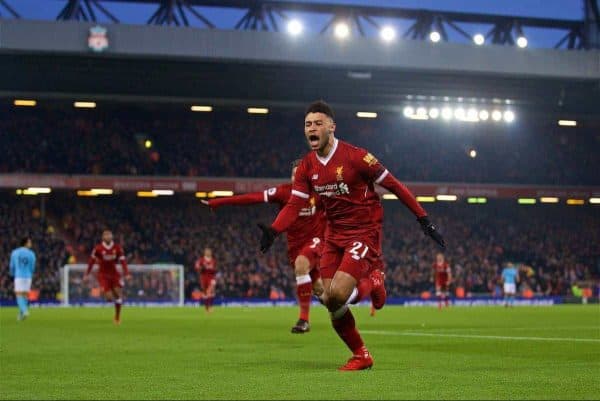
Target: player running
[[510, 278], [344, 177], [305, 239], [206, 266], [106, 254], [442, 277], [22, 266]]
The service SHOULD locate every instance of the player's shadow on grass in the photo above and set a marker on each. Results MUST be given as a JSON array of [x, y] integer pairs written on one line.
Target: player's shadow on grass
[[308, 365]]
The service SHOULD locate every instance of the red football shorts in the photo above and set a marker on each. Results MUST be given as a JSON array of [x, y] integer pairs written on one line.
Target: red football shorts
[[109, 281], [356, 256], [206, 280]]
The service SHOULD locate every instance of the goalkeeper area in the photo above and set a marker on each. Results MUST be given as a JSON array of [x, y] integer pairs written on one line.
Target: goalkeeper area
[[156, 284], [248, 353]]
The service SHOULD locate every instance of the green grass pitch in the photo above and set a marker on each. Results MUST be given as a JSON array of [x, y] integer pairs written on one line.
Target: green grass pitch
[[249, 353]]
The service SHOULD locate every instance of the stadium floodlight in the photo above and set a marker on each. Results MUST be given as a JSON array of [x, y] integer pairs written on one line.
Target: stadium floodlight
[[390, 196], [567, 123], [426, 198], [446, 113], [496, 115], [341, 30], [480, 200], [366, 114], [549, 199], [479, 39], [459, 113], [473, 153], [595, 201], [509, 116], [25, 102], [408, 111], [204, 109], [446, 198], [435, 36], [147, 143], [201, 194], [575, 202], [167, 192], [146, 194], [484, 115], [421, 112], [295, 27], [102, 191], [84, 105], [472, 114], [39, 190], [526, 201], [522, 42], [434, 113], [387, 34], [258, 110], [220, 193]]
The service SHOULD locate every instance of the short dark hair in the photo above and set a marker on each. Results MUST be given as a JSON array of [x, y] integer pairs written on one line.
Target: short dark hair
[[25, 240], [296, 163], [319, 106]]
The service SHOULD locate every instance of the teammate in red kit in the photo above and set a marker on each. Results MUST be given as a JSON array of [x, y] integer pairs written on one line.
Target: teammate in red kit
[[344, 177], [206, 266], [106, 254], [442, 277], [305, 239]]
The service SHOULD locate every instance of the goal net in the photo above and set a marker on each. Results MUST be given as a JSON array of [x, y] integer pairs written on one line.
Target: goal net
[[158, 284]]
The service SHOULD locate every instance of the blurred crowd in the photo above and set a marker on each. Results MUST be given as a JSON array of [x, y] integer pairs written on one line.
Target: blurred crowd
[[236, 144], [555, 246]]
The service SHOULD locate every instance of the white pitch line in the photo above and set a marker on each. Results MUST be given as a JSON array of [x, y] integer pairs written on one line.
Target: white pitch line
[[418, 334]]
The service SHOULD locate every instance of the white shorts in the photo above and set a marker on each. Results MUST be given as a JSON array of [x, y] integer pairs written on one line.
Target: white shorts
[[22, 284], [510, 288]]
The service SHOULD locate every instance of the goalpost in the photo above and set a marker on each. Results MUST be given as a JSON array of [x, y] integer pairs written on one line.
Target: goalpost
[[156, 284]]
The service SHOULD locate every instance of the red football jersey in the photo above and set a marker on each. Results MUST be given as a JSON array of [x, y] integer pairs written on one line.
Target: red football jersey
[[344, 180], [107, 257], [442, 271], [206, 266], [310, 223]]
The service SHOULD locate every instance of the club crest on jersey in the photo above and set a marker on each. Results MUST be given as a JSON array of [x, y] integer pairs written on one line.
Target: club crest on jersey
[[309, 211], [370, 159], [339, 173]]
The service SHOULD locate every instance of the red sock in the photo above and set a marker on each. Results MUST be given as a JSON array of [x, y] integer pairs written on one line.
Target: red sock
[[304, 292], [364, 289], [118, 304], [346, 329]]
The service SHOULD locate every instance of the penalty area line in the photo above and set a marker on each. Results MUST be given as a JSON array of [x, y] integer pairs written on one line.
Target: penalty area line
[[489, 337]]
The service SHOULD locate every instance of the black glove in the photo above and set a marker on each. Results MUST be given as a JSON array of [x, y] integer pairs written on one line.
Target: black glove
[[430, 230], [268, 237]]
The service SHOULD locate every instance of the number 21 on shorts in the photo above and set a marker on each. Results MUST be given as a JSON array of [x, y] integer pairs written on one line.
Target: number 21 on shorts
[[356, 252]]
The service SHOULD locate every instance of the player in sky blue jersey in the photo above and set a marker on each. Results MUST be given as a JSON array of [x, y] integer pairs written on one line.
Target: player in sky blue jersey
[[22, 266], [510, 278]]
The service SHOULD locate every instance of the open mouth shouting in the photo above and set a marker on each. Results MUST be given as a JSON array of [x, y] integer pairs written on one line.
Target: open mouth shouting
[[313, 141]]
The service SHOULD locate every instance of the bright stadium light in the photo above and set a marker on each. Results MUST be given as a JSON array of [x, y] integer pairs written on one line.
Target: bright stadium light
[[204, 109], [25, 102], [594, 201], [147, 143], [473, 153], [408, 111], [459, 113], [446, 198], [366, 114], [479, 39], [496, 115], [387, 34], [167, 192], [434, 113], [84, 105], [435, 36], [257, 110], [422, 112], [509, 116], [341, 30], [472, 114], [446, 113], [567, 123], [549, 199], [484, 115], [575, 202], [522, 42], [294, 27]]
